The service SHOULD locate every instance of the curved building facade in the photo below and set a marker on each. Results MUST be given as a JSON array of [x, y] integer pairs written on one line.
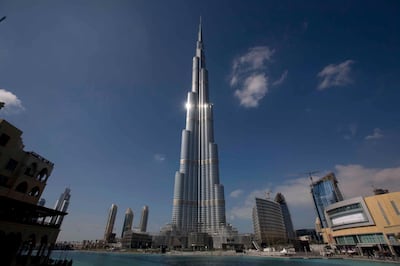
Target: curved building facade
[[128, 221], [269, 228], [287, 219], [144, 218], [108, 234], [366, 224]]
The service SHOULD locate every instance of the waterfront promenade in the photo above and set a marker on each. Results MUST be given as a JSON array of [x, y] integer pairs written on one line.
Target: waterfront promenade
[[249, 253]]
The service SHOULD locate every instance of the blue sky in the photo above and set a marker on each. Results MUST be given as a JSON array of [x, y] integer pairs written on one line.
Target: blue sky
[[98, 88]]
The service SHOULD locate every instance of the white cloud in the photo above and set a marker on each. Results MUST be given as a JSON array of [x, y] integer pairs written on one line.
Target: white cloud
[[11, 101], [244, 211], [335, 75], [357, 180], [254, 89], [281, 79], [236, 193], [248, 75], [377, 134], [159, 157], [254, 59]]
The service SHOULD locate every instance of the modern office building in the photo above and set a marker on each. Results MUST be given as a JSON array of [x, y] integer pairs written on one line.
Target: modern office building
[[144, 218], [287, 219], [365, 224], [269, 227], [24, 226], [109, 236], [62, 205], [325, 192], [128, 221], [198, 201]]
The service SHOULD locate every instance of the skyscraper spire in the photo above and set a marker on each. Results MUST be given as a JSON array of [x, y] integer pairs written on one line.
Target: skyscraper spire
[[200, 37], [199, 201]]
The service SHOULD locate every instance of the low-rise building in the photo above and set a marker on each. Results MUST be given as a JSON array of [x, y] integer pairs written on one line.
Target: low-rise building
[[366, 224]]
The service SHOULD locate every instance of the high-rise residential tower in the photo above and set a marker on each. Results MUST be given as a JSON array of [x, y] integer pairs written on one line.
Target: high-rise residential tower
[[61, 205], [128, 221], [144, 218], [287, 219], [325, 192], [199, 201], [108, 234]]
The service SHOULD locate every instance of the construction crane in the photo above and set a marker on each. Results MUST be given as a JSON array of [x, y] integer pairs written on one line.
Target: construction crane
[[310, 173]]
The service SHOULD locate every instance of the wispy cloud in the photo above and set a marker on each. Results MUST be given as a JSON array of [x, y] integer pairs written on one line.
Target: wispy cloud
[[281, 79], [377, 134], [253, 60], [249, 77], [305, 25], [296, 192], [244, 211], [357, 180], [11, 101], [159, 157], [351, 131], [236, 193], [335, 75]]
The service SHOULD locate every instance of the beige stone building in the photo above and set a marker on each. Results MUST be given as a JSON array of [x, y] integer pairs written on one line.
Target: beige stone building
[[366, 225], [26, 235]]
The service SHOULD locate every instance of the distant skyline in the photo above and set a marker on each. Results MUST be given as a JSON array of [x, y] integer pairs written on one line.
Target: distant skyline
[[99, 89]]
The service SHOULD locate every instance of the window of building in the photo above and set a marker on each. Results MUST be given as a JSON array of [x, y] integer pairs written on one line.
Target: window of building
[[43, 174], [34, 192], [11, 165], [346, 240], [4, 138], [372, 238], [22, 187]]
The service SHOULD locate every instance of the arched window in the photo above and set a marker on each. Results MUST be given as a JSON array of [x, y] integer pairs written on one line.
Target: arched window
[[34, 192], [22, 187], [31, 170], [42, 176]]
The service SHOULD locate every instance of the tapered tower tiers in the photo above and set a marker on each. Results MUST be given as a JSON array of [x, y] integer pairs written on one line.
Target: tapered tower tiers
[[199, 201]]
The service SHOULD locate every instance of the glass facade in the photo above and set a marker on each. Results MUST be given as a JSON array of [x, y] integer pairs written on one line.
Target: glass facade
[[360, 239], [325, 192]]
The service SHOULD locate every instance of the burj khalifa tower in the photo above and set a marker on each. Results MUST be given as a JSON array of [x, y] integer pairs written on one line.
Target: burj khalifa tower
[[199, 201]]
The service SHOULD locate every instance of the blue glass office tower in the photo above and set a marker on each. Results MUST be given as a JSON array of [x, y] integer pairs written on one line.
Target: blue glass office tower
[[325, 192], [199, 201], [287, 219]]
